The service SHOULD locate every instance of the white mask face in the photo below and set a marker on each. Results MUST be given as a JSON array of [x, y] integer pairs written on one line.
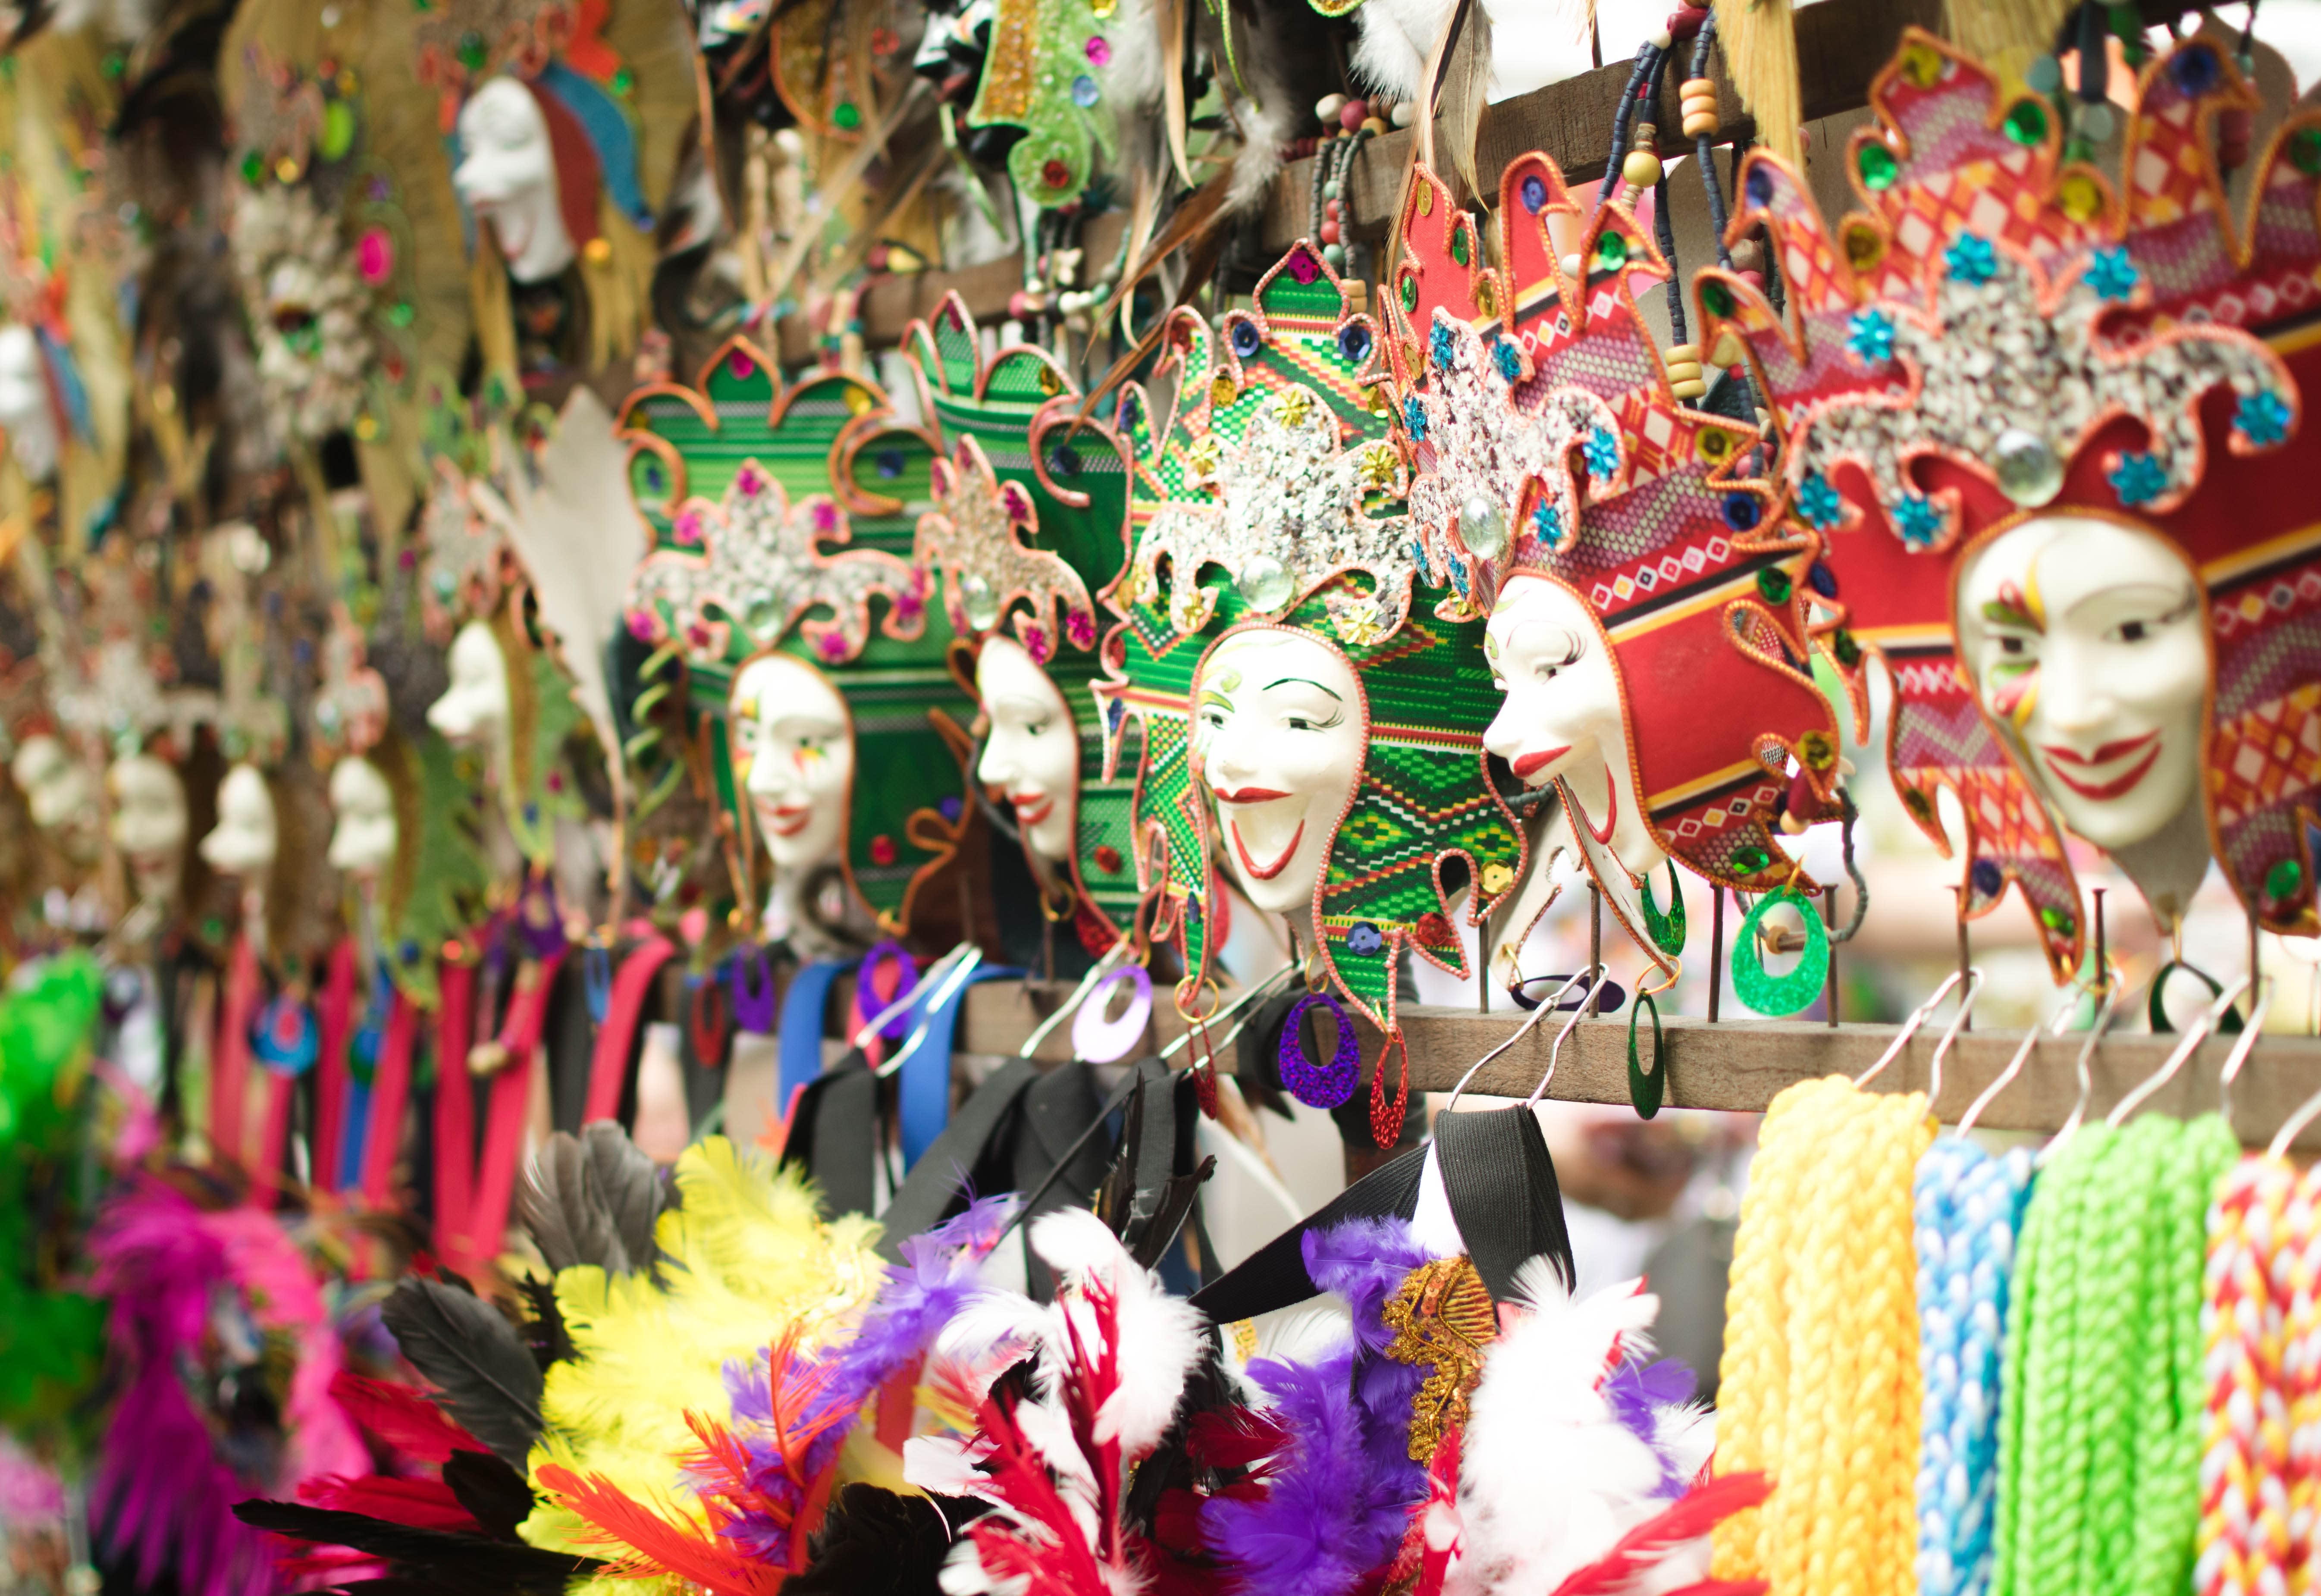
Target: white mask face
[[26, 414], [55, 787], [1561, 715], [363, 839], [2087, 646], [507, 176], [1277, 739], [149, 823], [473, 709], [794, 755], [1033, 754], [244, 841]]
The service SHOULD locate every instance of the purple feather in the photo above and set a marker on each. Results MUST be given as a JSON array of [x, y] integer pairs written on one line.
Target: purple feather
[[163, 1494], [1364, 1262], [1322, 1521], [921, 1295], [1637, 1392]]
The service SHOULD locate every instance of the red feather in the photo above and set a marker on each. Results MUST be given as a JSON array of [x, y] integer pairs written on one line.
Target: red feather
[[1721, 1588], [401, 1418], [416, 1504], [1691, 1515], [653, 1547]]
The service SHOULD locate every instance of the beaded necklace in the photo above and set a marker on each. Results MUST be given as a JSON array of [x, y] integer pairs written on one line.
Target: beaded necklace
[[1970, 1209], [1820, 1384]]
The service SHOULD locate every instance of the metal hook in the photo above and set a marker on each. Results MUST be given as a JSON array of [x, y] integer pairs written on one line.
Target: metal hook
[[1280, 978], [2055, 1026], [1950, 1035], [2085, 1067], [2197, 1033], [1919, 1017], [2242, 1047], [1533, 1019], [1097, 972], [1556, 1051]]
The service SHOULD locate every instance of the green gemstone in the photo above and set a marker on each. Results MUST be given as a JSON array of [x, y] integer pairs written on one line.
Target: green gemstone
[[1848, 652], [2284, 880], [624, 81], [1459, 245], [400, 312], [1409, 291], [1877, 167], [473, 54], [762, 617], [1611, 250], [1748, 861], [846, 117], [1773, 583], [253, 169], [1716, 298], [2026, 122], [338, 135], [2305, 151]]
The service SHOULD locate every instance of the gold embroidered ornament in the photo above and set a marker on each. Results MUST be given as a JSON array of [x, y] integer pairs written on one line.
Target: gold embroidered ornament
[[1443, 1321]]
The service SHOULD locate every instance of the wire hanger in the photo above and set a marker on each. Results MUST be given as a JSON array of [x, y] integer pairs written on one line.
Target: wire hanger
[[1536, 1014], [2242, 1046], [1555, 1053], [2197, 1033], [2058, 1024], [1921, 1015], [2085, 1067], [1078, 995]]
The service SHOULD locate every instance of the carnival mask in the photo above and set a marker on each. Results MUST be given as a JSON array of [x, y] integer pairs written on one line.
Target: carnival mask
[[26, 414], [149, 823], [2084, 639], [364, 839], [243, 844], [1281, 724], [1561, 716], [794, 751], [474, 710], [507, 176], [1032, 754]]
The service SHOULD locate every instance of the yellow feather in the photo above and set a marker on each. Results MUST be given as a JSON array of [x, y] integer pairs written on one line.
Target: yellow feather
[[745, 1256]]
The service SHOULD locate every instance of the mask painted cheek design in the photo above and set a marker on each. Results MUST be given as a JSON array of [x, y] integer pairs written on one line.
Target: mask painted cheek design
[[795, 758]]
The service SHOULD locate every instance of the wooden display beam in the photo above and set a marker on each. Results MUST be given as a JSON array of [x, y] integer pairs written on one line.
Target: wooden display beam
[[1741, 1065]]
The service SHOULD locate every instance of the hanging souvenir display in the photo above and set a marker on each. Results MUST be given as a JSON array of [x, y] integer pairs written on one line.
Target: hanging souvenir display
[[1647, 619], [1028, 523], [2068, 551], [835, 731], [1303, 716]]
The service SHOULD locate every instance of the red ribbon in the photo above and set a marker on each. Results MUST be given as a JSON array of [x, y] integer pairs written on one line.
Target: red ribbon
[[337, 1011], [471, 1214], [609, 1062], [455, 1105], [390, 1088], [230, 1065]]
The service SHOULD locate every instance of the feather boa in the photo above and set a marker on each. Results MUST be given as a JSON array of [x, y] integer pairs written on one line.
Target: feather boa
[[166, 1489], [1321, 1520]]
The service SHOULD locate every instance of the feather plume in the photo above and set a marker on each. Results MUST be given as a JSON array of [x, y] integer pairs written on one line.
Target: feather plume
[[1693, 1515], [474, 1358], [656, 1544], [400, 1417], [1363, 1262], [875, 1542], [494, 1494], [456, 1564], [416, 1504], [592, 1198]]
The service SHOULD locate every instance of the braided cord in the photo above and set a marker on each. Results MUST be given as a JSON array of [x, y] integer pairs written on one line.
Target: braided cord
[[2296, 1279], [2242, 1544], [1820, 1382], [1969, 1211]]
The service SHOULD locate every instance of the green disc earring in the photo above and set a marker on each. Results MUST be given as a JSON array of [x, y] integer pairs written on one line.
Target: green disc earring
[[1780, 994], [1666, 930], [1646, 1087]]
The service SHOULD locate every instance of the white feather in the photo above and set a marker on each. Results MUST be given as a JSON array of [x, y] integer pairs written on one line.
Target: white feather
[[1133, 76], [1264, 130], [1157, 1337]]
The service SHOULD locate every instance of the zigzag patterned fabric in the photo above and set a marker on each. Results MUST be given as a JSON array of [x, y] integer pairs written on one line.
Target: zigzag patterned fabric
[[1316, 542], [701, 459]]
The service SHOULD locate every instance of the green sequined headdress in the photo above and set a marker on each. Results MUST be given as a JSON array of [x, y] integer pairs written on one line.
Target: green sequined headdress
[[1029, 522], [761, 541], [1273, 493]]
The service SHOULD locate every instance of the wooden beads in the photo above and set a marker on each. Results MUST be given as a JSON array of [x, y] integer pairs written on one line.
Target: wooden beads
[[1642, 168], [1687, 380], [1698, 100]]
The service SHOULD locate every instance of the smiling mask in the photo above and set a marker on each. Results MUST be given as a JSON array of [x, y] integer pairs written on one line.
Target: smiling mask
[[2087, 571]]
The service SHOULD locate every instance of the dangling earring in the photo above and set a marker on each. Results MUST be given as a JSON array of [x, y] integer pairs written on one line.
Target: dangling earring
[[1387, 1120], [1667, 931], [1780, 994], [1319, 1086], [1646, 1087]]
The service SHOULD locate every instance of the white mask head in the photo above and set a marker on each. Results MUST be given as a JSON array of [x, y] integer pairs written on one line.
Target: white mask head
[[26, 414], [243, 844], [1279, 731], [792, 732], [149, 823], [364, 833], [1032, 754], [54, 786], [507, 177], [473, 711], [2087, 646], [1561, 716]]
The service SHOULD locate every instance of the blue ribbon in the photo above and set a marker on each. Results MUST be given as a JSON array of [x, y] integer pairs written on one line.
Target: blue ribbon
[[924, 1093], [354, 1133], [801, 1034]]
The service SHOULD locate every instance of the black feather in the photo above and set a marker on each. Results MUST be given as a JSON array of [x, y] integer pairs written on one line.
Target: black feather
[[482, 1372], [875, 1542], [592, 1198], [455, 1564], [544, 1332], [488, 1488]]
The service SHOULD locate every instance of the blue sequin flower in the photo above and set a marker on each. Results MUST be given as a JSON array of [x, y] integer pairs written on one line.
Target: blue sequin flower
[[1819, 502], [1414, 417], [2138, 479], [2262, 418], [1509, 358], [1972, 259], [2111, 274], [1603, 451], [1918, 519], [1870, 337], [1547, 522], [1443, 346], [1364, 938]]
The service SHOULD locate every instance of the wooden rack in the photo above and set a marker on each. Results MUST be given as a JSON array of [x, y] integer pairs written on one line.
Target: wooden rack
[[1741, 1064]]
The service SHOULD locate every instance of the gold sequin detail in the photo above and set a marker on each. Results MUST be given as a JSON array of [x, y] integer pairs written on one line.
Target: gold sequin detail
[[1443, 1319], [1378, 464], [1293, 406]]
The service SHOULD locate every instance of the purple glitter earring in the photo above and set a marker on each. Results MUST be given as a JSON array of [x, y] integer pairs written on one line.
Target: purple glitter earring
[[1318, 1086]]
